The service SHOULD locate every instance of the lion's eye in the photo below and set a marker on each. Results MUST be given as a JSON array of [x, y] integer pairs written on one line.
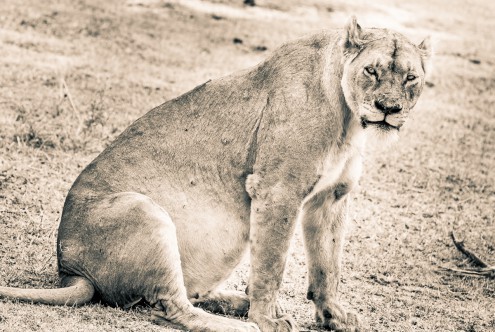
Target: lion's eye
[[370, 70], [411, 77]]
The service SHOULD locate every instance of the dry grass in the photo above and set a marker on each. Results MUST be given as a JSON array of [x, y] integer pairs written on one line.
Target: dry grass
[[75, 74]]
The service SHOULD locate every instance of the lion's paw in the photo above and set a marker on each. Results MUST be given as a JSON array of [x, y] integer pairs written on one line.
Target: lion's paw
[[333, 317], [284, 323]]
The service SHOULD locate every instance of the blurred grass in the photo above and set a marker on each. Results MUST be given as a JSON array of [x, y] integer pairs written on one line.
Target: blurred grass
[[116, 60]]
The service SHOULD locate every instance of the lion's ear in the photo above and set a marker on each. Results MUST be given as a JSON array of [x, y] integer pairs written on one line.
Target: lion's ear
[[352, 39], [426, 51], [425, 48]]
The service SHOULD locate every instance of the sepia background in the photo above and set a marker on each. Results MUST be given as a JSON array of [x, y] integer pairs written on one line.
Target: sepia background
[[74, 74]]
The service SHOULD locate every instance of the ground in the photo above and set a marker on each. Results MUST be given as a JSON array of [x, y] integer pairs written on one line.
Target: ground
[[74, 74]]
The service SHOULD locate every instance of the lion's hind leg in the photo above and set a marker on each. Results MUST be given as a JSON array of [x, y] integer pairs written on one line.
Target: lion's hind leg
[[234, 303], [138, 248]]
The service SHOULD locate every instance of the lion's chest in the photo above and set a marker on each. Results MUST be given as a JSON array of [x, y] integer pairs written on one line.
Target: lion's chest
[[340, 170]]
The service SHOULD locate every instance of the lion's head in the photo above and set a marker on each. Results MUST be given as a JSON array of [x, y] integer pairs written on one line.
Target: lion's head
[[383, 75]]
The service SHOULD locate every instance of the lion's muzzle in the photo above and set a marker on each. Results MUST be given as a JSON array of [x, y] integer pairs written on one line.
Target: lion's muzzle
[[388, 106]]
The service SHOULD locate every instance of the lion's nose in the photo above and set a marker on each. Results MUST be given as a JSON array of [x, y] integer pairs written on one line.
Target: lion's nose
[[388, 107]]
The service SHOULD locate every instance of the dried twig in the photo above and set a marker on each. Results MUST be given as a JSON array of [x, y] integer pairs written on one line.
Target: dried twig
[[481, 268], [488, 272], [473, 259], [67, 93]]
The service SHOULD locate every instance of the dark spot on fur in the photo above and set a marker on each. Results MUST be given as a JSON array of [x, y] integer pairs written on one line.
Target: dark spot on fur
[[411, 94], [327, 314], [196, 296], [247, 290], [290, 176], [310, 295], [316, 44], [230, 260], [112, 200], [311, 186], [396, 49], [393, 65], [91, 167], [136, 132], [340, 190], [291, 324], [364, 124], [318, 199]]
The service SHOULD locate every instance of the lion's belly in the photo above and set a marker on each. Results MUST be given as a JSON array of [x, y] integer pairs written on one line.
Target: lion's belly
[[212, 234]]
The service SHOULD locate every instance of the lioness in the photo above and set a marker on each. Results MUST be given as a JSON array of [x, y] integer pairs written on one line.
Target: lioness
[[165, 213]]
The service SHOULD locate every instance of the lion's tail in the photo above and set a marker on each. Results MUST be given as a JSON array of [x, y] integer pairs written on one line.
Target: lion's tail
[[79, 291]]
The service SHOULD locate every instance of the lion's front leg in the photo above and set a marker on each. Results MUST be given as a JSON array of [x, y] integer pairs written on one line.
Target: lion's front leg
[[323, 223], [273, 215]]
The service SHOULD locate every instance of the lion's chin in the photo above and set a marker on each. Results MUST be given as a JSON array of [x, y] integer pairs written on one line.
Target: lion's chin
[[380, 133]]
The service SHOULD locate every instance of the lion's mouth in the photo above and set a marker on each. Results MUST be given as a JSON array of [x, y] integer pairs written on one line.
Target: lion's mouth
[[382, 124]]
